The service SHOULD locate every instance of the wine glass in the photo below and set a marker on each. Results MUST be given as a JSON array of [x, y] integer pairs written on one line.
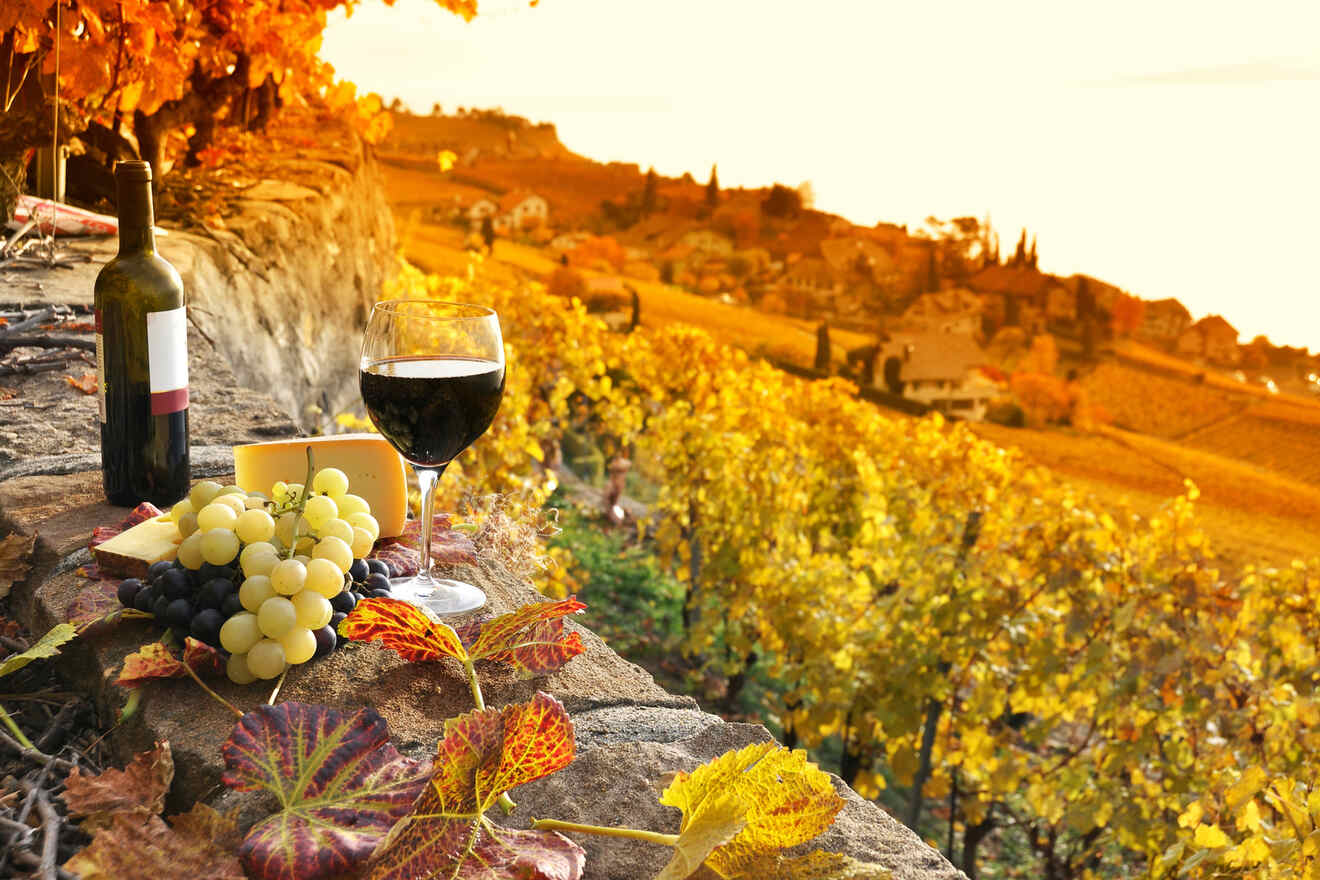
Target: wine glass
[[432, 375]]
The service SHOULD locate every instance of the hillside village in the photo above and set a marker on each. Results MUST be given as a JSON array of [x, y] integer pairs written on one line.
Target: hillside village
[[955, 326]]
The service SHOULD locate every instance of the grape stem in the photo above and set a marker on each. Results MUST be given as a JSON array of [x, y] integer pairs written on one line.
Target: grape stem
[[631, 833], [279, 684], [506, 803], [221, 700], [297, 509]]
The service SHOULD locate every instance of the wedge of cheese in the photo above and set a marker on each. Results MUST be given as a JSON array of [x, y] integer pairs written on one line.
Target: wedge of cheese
[[375, 471], [131, 552]]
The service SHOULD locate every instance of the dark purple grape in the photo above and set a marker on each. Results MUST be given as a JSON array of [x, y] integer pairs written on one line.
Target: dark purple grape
[[180, 633], [358, 596], [379, 594], [378, 566], [336, 619], [325, 640], [213, 593], [358, 571], [209, 572], [230, 606], [158, 568], [179, 613], [143, 600], [344, 602], [206, 626], [174, 584], [128, 590], [160, 609], [377, 581]]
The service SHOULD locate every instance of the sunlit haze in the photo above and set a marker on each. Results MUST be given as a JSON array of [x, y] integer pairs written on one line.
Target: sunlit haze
[[1169, 148]]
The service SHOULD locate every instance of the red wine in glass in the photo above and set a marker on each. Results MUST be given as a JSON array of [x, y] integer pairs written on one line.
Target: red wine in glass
[[432, 408], [432, 377]]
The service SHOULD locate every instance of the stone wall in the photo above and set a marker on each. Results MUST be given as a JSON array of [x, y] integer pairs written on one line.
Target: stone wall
[[301, 260]]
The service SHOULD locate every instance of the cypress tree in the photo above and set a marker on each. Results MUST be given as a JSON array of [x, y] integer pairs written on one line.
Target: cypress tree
[[1020, 254], [648, 193], [1031, 254], [713, 188]]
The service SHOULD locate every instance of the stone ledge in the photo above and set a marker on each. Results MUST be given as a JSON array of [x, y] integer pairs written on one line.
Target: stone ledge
[[631, 733]]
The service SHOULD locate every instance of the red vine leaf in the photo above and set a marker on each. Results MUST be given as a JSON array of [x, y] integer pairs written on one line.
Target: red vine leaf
[[403, 628], [156, 660], [341, 782], [139, 788], [95, 603], [483, 755], [199, 846], [467, 850], [404, 553], [140, 514], [532, 639]]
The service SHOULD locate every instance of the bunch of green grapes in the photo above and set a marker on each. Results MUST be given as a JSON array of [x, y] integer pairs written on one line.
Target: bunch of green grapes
[[298, 554]]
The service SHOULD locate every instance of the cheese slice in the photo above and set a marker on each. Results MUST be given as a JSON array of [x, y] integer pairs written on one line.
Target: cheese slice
[[375, 471], [131, 552]]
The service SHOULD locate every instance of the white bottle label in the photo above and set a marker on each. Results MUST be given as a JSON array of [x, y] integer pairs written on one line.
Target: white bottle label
[[167, 356]]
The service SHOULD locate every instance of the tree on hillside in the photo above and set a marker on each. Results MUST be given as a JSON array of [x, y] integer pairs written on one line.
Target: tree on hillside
[[437, 110], [932, 272], [1126, 314], [133, 76], [960, 242], [649, 193], [713, 188], [1020, 253], [1031, 254], [782, 202]]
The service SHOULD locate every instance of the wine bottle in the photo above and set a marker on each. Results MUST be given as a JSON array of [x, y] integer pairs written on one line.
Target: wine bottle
[[141, 357]]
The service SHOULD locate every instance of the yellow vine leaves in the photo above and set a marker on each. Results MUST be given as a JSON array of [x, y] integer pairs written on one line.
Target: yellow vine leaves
[[746, 806]]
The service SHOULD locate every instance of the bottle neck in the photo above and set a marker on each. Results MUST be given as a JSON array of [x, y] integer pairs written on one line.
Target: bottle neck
[[136, 217]]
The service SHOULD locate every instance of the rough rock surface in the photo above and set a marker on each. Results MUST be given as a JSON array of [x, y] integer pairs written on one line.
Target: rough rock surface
[[280, 287]]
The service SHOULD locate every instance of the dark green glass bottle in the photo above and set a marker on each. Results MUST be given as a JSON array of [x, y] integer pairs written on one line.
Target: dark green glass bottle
[[141, 357]]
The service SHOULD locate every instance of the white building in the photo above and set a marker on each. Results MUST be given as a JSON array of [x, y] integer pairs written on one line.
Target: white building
[[941, 370]]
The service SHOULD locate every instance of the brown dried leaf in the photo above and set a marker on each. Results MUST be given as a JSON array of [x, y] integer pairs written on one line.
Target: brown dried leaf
[[15, 560], [200, 846], [86, 383], [139, 788]]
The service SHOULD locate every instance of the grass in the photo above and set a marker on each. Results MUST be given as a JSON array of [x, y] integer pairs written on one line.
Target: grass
[[631, 603]]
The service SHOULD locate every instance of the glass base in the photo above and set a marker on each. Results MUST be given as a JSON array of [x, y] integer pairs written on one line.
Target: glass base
[[442, 597]]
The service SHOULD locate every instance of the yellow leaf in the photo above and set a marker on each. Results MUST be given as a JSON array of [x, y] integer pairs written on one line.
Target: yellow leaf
[[1252, 781], [715, 825], [1210, 837], [787, 800], [446, 159]]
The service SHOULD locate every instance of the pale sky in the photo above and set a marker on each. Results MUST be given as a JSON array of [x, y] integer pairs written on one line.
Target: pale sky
[[1171, 148]]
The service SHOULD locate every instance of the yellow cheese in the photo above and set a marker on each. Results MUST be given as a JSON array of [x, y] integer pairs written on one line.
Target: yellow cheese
[[132, 551], [375, 471]]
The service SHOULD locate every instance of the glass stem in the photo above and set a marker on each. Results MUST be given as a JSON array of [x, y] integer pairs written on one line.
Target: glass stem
[[426, 480]]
